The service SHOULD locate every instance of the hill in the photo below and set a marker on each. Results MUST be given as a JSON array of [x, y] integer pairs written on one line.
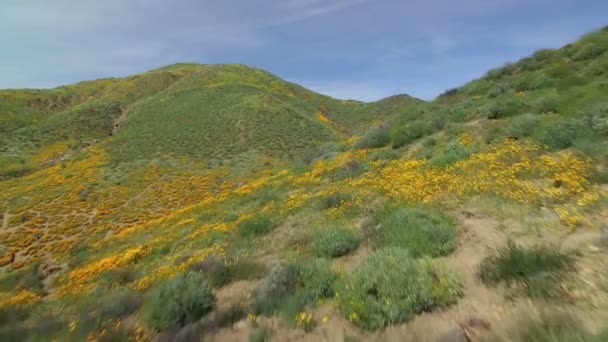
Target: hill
[[219, 202], [214, 114]]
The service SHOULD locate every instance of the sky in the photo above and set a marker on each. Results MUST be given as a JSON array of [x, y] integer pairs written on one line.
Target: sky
[[349, 49]]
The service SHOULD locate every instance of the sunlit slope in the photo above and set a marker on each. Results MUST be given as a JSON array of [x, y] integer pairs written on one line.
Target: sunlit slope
[[223, 115], [214, 114]]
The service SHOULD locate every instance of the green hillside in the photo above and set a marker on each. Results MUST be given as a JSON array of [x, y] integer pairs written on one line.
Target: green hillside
[[215, 114], [221, 203]]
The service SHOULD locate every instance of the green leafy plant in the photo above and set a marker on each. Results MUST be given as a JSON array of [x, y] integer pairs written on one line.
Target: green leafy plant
[[258, 225], [536, 269], [420, 231], [331, 242], [391, 287], [292, 284], [523, 125], [179, 301]]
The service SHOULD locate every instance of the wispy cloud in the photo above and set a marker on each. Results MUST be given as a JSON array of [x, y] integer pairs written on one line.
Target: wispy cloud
[[298, 10]]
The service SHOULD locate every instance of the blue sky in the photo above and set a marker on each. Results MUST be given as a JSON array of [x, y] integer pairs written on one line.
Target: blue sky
[[359, 49]]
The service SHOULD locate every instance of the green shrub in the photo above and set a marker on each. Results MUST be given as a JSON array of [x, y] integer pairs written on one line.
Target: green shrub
[[385, 155], [501, 72], [502, 108], [117, 277], [333, 242], [421, 232], [375, 137], [451, 153], [234, 269], [589, 51], [404, 135], [497, 90], [119, 304], [449, 92], [292, 284], [179, 301], [428, 147], [391, 287], [523, 125], [9, 315], [537, 269], [554, 326], [547, 104], [562, 134], [27, 278], [598, 115], [258, 225], [541, 81]]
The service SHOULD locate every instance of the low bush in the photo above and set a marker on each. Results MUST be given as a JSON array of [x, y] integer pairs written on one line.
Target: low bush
[[547, 104], [589, 51], [502, 108], [452, 152], [384, 155], [598, 117], [428, 148], [536, 270], [234, 269], [523, 125], [391, 287], [404, 135], [375, 137], [561, 134], [421, 232], [179, 301], [119, 304], [292, 284], [332, 242], [258, 225], [117, 277], [28, 278]]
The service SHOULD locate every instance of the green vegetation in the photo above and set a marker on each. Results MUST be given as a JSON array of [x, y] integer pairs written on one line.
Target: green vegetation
[[421, 232], [376, 137], [224, 272], [523, 125], [555, 326], [538, 269], [179, 301], [332, 242], [292, 284], [258, 225], [391, 287]]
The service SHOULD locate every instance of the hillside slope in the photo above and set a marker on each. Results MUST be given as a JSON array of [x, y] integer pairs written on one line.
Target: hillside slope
[[209, 113]]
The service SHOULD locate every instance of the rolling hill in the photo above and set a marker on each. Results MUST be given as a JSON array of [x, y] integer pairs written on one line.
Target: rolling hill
[[219, 202]]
